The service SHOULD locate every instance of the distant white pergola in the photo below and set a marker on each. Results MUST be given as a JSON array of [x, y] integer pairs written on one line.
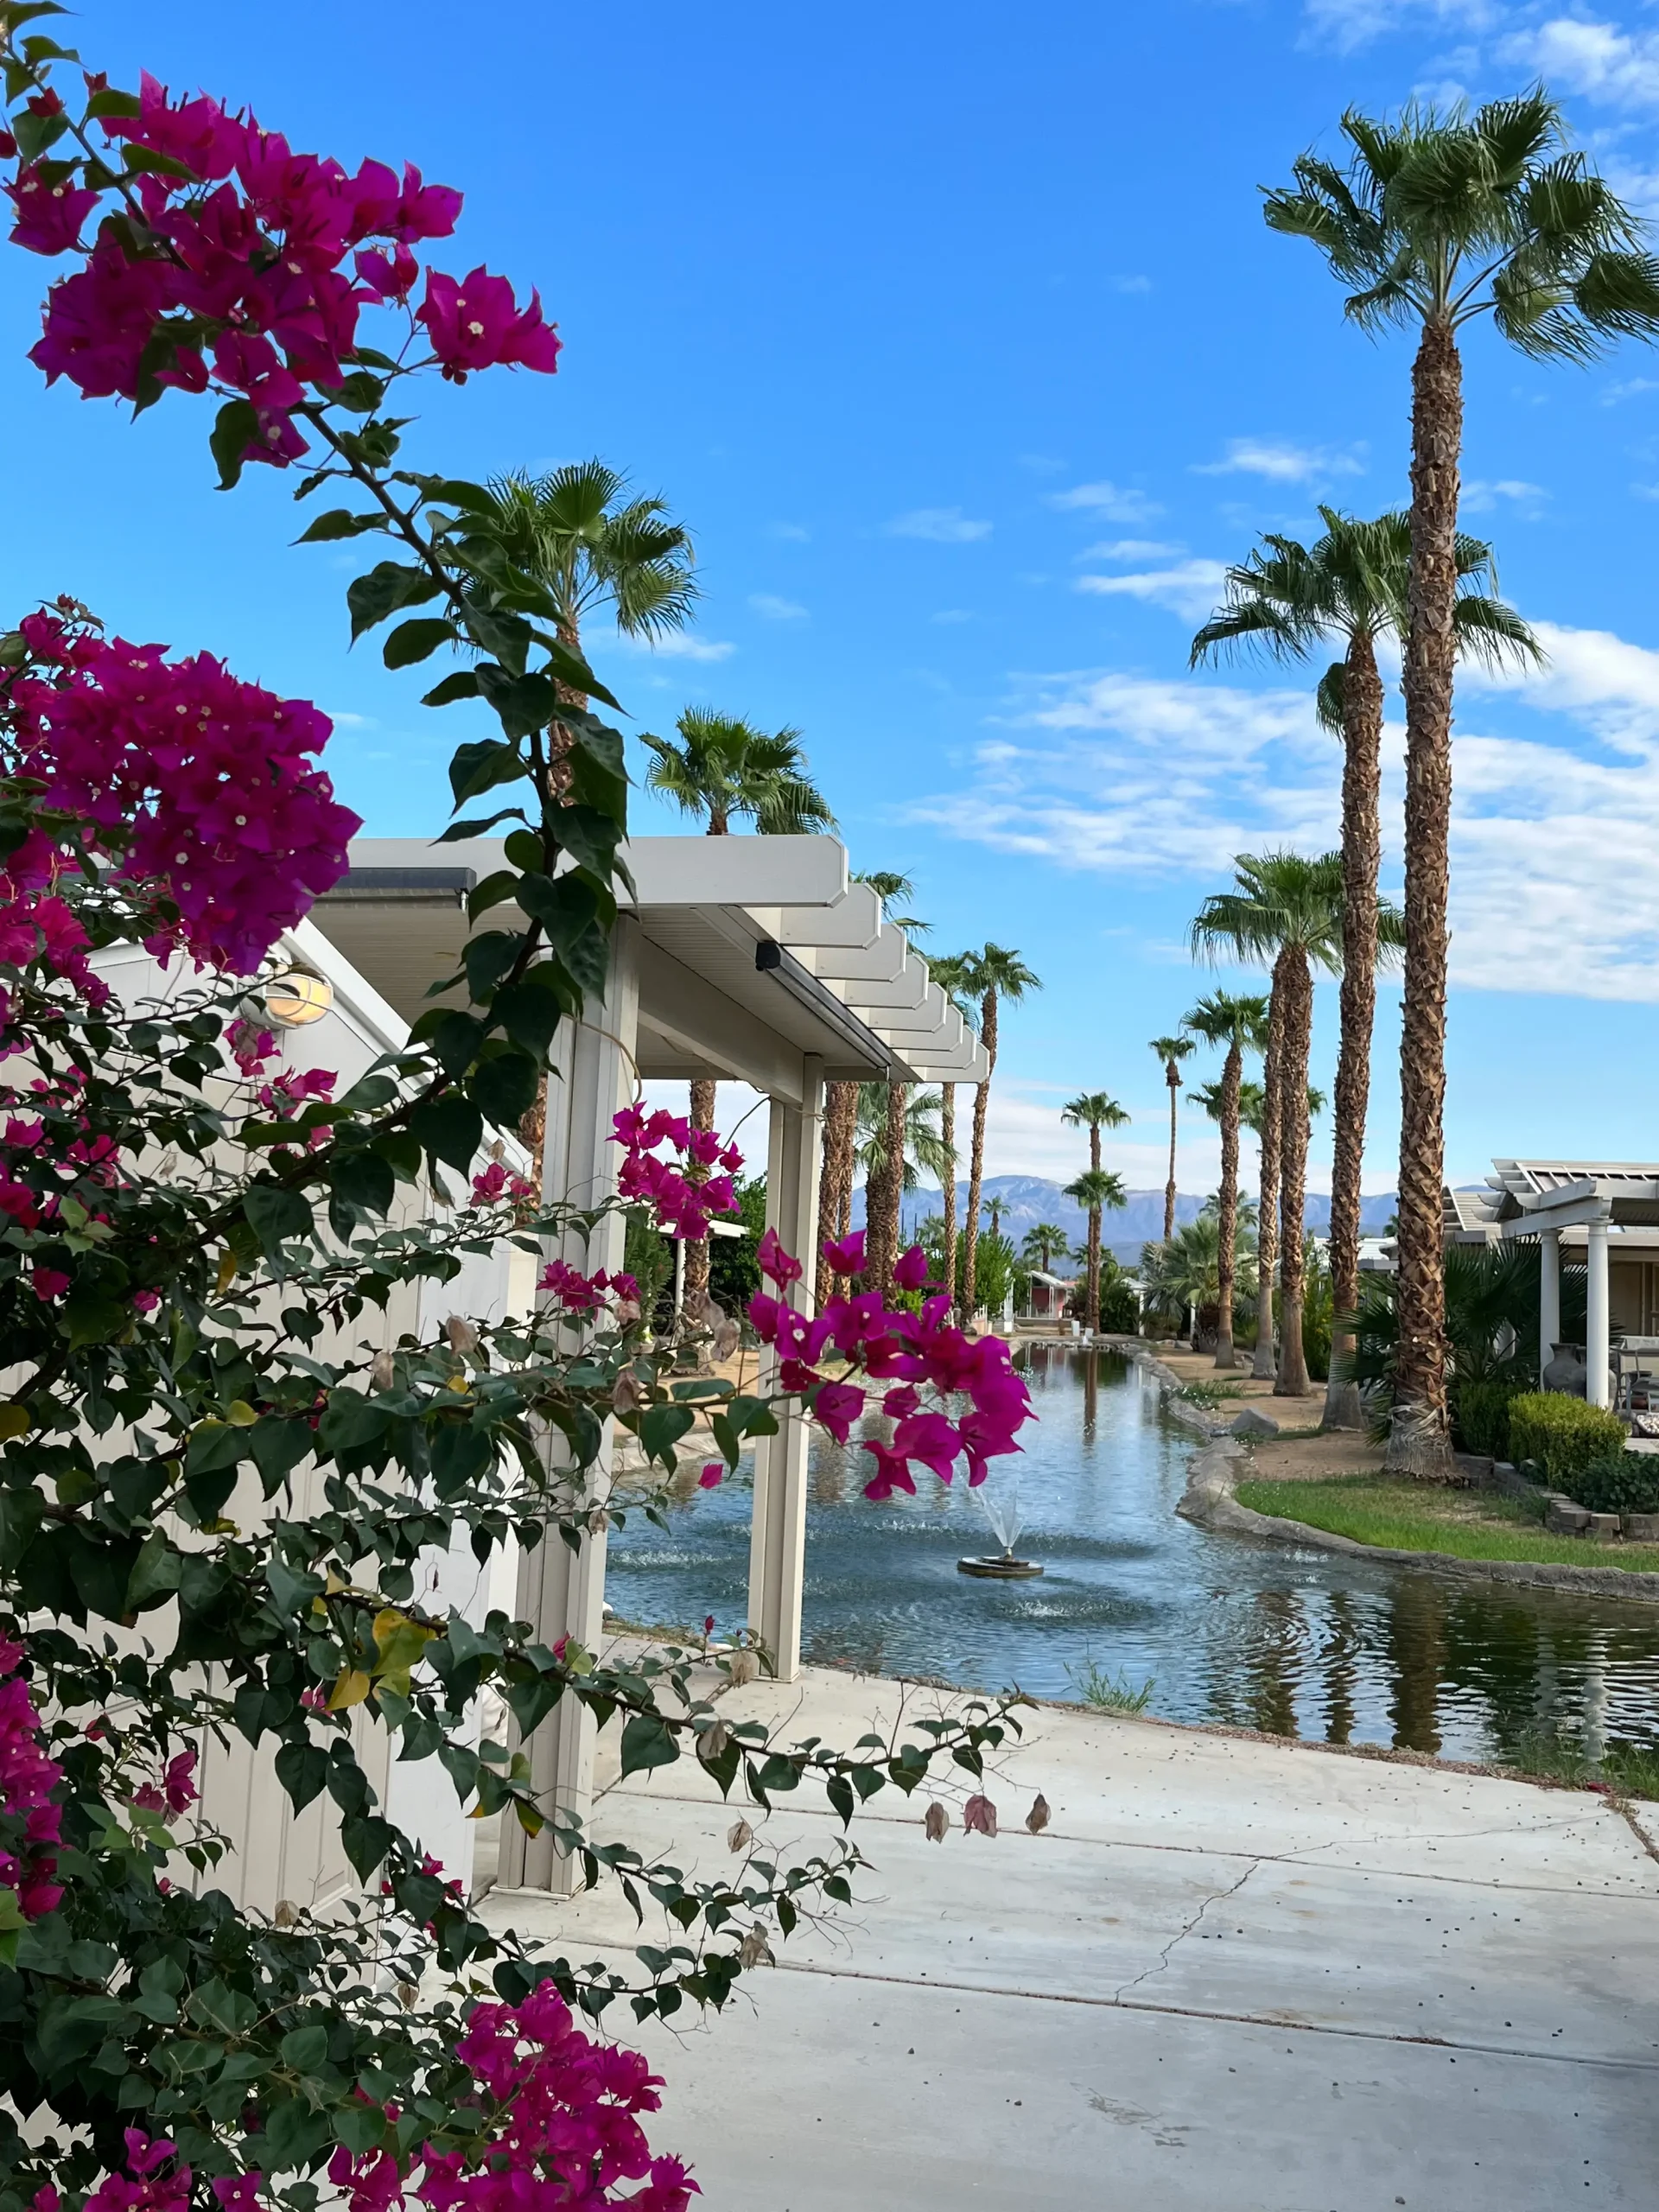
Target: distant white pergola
[[755, 960], [1594, 1202]]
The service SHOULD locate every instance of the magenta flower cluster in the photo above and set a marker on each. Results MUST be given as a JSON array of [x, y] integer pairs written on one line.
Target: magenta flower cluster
[[682, 1205], [29, 1815], [201, 782], [565, 2135], [930, 1366], [155, 2181], [579, 1293], [249, 271]]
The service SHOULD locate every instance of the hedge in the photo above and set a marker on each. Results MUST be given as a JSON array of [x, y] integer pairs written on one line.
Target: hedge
[[1480, 1415], [1562, 1436], [1626, 1483]]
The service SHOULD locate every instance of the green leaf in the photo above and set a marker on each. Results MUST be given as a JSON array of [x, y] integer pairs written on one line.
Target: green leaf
[[110, 101], [565, 905], [277, 1447], [363, 1179], [450, 1128], [455, 1039], [414, 641], [463, 684], [274, 1213], [460, 1454], [487, 957], [236, 427], [523, 704], [598, 777], [661, 1428], [302, 1768], [340, 522], [647, 1741], [156, 1573], [350, 1422], [305, 2049], [481, 766], [576, 674], [359, 393], [529, 1011], [492, 891], [387, 587], [591, 837], [35, 133], [503, 1085]]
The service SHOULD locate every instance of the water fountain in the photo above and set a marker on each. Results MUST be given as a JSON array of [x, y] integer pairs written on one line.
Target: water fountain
[[1002, 1511]]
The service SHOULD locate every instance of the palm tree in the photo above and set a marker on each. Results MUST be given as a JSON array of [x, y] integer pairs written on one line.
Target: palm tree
[[883, 1193], [1239, 1023], [1351, 588], [1435, 220], [914, 1143], [1184, 1270], [591, 548], [950, 970], [1093, 1110], [1095, 1189], [991, 975], [724, 769], [1287, 909], [1172, 1051], [1042, 1244]]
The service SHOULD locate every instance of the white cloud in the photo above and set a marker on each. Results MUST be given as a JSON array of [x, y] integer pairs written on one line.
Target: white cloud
[[949, 615], [792, 533], [1113, 502], [1189, 589], [342, 720], [1131, 549], [1041, 464], [940, 526], [1347, 24], [776, 609], [1131, 284], [1480, 496], [1630, 389], [1597, 60], [678, 646], [1555, 834], [1280, 460]]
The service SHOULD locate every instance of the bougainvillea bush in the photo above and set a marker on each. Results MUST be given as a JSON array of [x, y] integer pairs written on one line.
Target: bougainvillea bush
[[217, 1476]]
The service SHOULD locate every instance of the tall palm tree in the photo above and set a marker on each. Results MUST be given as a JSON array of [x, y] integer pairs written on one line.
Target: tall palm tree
[[593, 549], [994, 974], [884, 1193], [1095, 1190], [923, 1153], [725, 770], [1351, 588], [1093, 1110], [1172, 1051], [950, 970], [1238, 1023], [1287, 909], [1044, 1243], [1436, 220]]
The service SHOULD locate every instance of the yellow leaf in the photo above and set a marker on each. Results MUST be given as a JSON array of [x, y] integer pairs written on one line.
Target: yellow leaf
[[241, 1413], [400, 1643], [334, 1584], [14, 1421], [351, 1689], [459, 1383], [227, 1269]]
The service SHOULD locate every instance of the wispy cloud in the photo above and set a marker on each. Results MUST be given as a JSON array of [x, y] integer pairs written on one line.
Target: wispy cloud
[[1597, 60], [1132, 548], [1189, 589], [680, 647], [939, 525], [776, 609], [1632, 388], [1556, 833], [951, 615], [792, 533], [1480, 497], [1282, 462], [1115, 503], [1131, 284], [1348, 24]]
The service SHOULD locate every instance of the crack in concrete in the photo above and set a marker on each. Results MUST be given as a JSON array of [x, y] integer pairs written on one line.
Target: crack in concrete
[[1216, 1897]]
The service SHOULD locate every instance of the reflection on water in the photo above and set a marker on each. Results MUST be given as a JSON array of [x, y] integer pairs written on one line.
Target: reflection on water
[[1256, 1636]]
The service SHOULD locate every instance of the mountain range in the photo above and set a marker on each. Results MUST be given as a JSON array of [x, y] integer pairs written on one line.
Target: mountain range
[[1028, 1199]]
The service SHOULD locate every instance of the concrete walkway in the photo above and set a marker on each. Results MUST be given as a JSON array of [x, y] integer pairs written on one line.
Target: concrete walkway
[[1231, 1977]]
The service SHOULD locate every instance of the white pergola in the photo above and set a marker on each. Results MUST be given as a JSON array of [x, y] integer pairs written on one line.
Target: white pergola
[[1548, 1200], [749, 959]]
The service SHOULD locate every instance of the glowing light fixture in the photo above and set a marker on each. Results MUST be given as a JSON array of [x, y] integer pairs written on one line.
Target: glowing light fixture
[[297, 998]]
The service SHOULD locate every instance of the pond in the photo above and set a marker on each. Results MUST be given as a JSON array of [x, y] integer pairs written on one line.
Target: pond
[[1224, 1630]]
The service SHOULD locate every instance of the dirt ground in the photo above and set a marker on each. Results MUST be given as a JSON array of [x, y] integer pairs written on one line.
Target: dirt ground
[[1238, 1382], [1314, 1458]]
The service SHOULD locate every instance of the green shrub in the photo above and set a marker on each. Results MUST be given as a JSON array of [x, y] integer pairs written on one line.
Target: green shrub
[[1625, 1481], [1563, 1434], [1480, 1413], [1118, 1314]]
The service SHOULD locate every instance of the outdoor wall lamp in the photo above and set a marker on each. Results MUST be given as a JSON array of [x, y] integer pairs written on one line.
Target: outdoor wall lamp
[[297, 998]]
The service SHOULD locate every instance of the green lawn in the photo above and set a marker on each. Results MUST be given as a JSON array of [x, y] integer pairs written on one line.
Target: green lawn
[[1410, 1516]]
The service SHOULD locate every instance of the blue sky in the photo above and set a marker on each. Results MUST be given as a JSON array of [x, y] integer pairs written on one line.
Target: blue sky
[[957, 338]]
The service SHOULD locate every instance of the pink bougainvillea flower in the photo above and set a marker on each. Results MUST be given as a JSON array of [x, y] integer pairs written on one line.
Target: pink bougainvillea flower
[[774, 1261], [910, 1269], [891, 1473], [47, 1282], [979, 1817], [837, 1407], [49, 215], [475, 322], [846, 1258], [713, 1475], [387, 276]]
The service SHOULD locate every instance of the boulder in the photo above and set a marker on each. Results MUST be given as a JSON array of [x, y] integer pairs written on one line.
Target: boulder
[[1604, 1528], [1641, 1527], [1251, 1423], [1565, 1519]]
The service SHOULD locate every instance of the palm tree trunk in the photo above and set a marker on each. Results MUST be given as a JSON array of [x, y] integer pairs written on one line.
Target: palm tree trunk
[[696, 1253], [948, 1132], [976, 1155], [1261, 1366], [1092, 1319], [1174, 1081], [840, 1106], [893, 1194], [1419, 1443], [1227, 1210], [1362, 739], [1292, 1382]]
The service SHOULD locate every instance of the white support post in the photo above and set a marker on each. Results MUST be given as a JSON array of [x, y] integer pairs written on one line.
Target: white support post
[[778, 1530], [562, 1593], [1549, 1295], [1595, 1334]]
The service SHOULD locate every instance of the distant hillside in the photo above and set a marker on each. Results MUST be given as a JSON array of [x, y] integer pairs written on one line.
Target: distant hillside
[[1028, 1199]]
